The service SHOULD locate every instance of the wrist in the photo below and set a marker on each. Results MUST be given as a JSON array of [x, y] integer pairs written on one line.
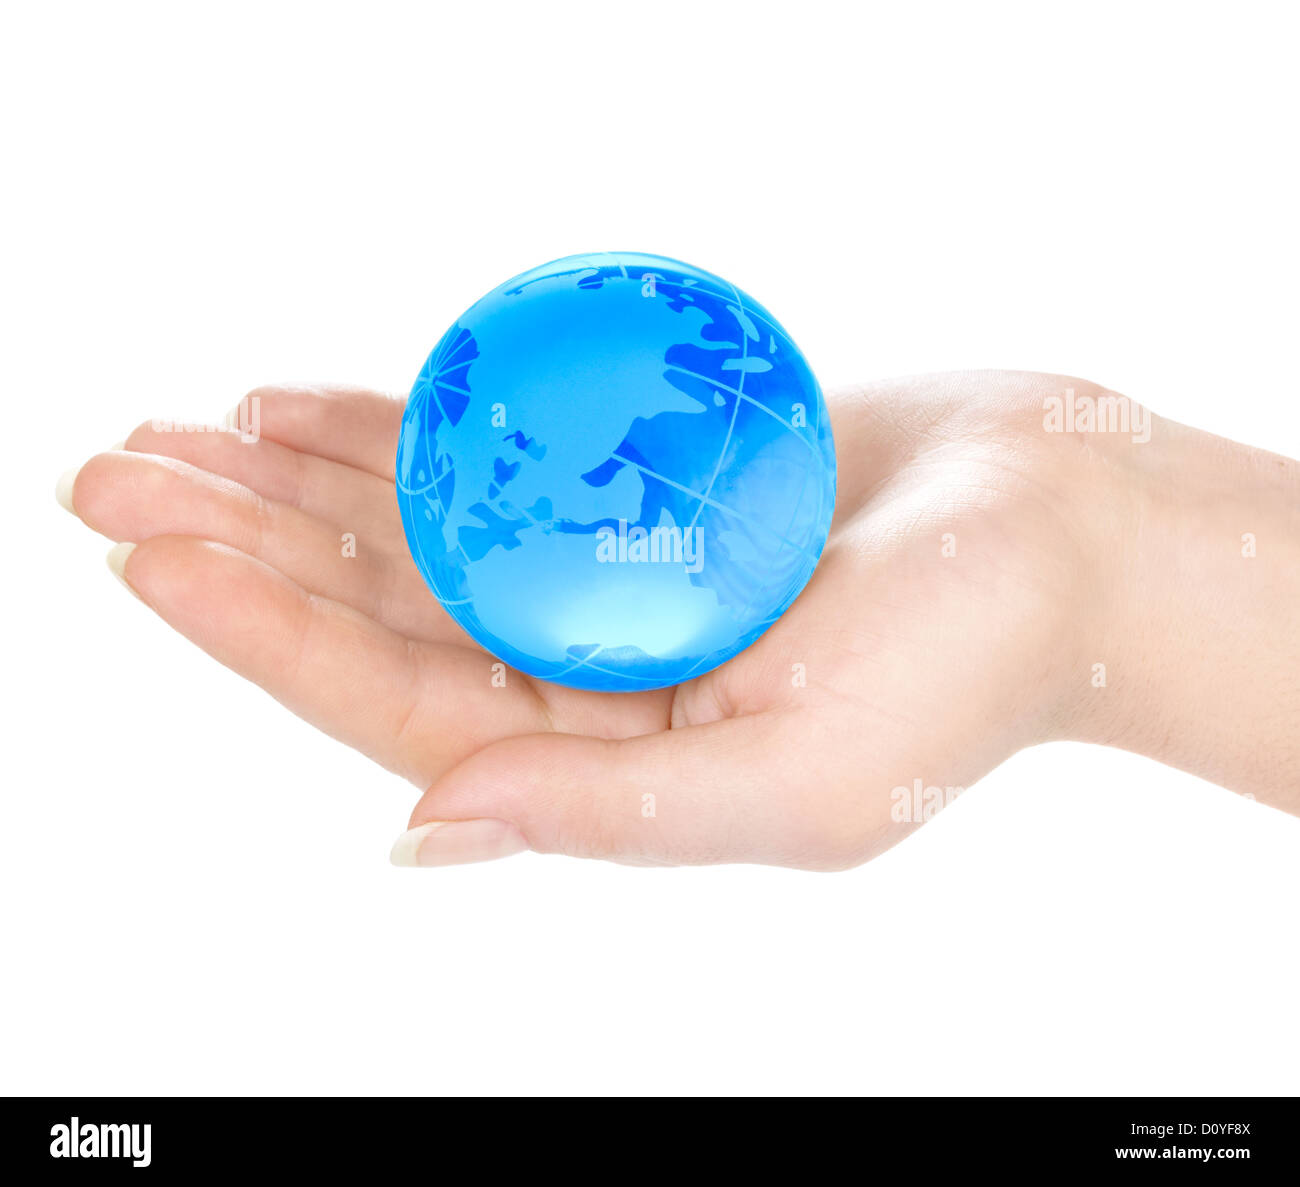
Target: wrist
[[1199, 642]]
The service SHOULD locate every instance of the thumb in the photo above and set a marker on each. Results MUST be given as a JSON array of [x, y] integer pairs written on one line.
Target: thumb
[[699, 794]]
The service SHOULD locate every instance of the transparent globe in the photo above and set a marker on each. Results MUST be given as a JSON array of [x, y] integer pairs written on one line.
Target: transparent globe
[[616, 471]]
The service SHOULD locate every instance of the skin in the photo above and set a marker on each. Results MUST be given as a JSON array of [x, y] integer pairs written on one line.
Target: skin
[[978, 568]]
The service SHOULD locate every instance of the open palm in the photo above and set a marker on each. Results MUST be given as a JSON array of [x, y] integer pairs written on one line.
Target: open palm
[[930, 644]]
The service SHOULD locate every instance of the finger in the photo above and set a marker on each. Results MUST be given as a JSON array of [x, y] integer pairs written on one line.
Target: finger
[[417, 708], [350, 425], [700, 794], [352, 499], [136, 496]]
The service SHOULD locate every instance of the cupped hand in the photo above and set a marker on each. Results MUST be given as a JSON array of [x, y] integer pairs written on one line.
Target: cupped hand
[[944, 629]]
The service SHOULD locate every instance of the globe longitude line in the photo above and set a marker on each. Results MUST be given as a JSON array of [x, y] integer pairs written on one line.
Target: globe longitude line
[[621, 268], [687, 285], [575, 666], [726, 444], [586, 663], [425, 567], [735, 408], [759, 627], [424, 382], [430, 439], [702, 297], [406, 488], [414, 536], [817, 455], [433, 384], [794, 514], [446, 518], [748, 400], [713, 503], [774, 326], [740, 395]]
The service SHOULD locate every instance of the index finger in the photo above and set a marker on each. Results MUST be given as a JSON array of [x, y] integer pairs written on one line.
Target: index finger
[[352, 425]]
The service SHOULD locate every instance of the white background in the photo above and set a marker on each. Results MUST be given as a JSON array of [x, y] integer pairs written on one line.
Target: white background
[[194, 887]]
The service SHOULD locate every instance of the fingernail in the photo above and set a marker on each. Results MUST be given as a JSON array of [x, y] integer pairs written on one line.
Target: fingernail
[[117, 563], [120, 445], [63, 489], [456, 842]]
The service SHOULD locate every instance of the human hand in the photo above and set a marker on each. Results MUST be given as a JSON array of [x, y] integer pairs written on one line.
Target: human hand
[[970, 581]]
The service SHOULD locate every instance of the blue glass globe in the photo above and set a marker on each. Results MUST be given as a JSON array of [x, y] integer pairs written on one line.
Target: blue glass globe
[[616, 471]]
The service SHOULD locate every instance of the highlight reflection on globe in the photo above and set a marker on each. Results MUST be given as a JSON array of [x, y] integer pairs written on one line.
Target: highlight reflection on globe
[[616, 471]]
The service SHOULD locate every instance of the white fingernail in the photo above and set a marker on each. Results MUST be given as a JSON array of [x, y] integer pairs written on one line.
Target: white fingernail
[[457, 842], [117, 563], [63, 489], [408, 844]]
